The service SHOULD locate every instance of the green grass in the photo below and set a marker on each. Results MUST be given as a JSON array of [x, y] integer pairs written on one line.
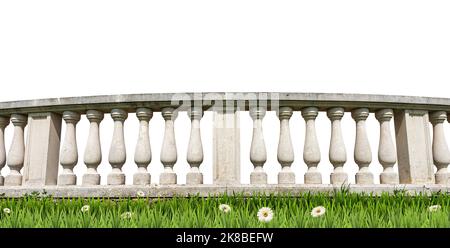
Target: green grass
[[342, 210]]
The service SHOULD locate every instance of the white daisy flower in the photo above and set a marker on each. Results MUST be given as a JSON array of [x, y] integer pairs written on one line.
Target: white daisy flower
[[126, 215], [265, 214], [140, 193], [434, 208], [85, 208], [224, 208], [6, 210], [318, 211]]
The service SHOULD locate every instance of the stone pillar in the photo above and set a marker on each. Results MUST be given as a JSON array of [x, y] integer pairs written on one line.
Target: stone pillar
[[362, 152], [42, 149], [143, 153], [93, 152], [169, 147], [258, 154], [117, 152], [16, 152], [311, 150], [337, 153], [4, 121], [195, 148], [285, 153], [226, 147], [415, 159], [387, 155], [441, 154], [69, 150]]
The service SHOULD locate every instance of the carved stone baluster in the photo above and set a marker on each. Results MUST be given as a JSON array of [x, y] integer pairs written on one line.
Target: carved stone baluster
[[16, 152], [258, 155], [311, 150], [69, 150], [441, 154], [117, 151], [362, 152], [285, 153], [143, 153], [93, 151], [4, 121], [387, 155], [169, 148], [195, 148], [337, 153]]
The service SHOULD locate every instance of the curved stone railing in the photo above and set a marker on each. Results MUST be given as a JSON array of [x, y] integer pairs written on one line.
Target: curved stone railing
[[34, 160]]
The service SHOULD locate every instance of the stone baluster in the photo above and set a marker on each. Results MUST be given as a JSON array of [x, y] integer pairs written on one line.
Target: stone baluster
[[143, 153], [387, 155], [285, 153], [169, 148], [362, 152], [195, 148], [16, 152], [311, 150], [4, 121], [69, 151], [441, 154], [93, 152], [117, 151], [337, 153], [258, 154]]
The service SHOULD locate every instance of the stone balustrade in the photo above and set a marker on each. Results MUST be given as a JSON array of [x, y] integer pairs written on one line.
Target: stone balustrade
[[417, 143]]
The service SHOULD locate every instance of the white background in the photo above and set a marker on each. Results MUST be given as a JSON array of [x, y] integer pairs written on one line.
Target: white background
[[76, 48]]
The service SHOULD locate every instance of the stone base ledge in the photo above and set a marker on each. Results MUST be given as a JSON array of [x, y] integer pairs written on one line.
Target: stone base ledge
[[156, 191]]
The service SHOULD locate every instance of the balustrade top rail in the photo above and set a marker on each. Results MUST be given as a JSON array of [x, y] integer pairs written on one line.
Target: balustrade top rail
[[157, 101]]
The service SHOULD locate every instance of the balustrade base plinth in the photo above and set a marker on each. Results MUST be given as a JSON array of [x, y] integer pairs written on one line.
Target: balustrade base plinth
[[13, 180], [258, 177], [116, 179], [193, 178], [364, 178], [67, 179], [339, 178], [313, 178], [141, 178], [442, 178], [206, 190], [91, 179], [389, 178], [286, 177], [167, 178]]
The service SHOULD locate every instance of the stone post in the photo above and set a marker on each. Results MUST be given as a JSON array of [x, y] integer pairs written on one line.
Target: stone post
[[258, 154], [415, 159], [441, 154]]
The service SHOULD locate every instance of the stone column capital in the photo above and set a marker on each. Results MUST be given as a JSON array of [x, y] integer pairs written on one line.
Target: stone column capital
[[310, 113], [71, 117], [195, 113], [335, 113], [384, 115], [169, 113], [257, 112], [119, 114], [285, 113], [144, 114], [360, 114], [94, 115], [438, 117]]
